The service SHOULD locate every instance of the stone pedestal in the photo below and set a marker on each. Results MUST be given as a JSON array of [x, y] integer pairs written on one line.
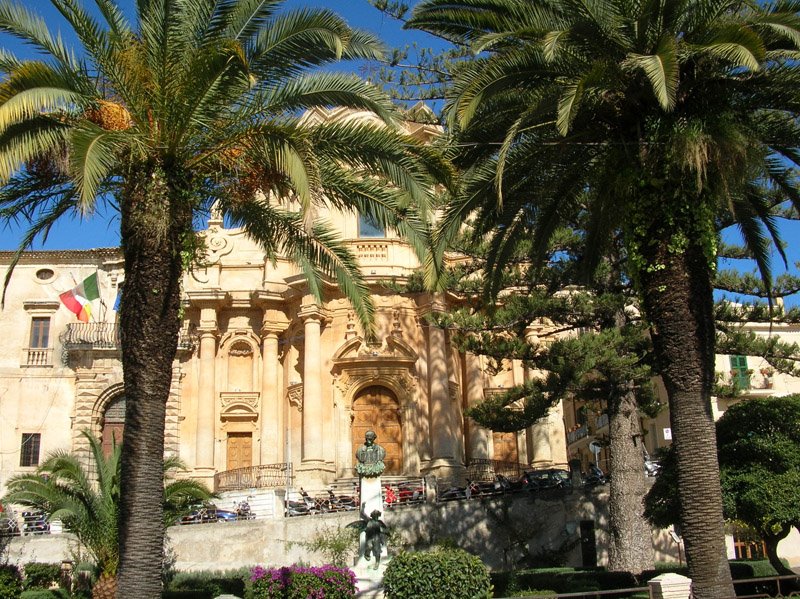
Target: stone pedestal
[[670, 586], [371, 498]]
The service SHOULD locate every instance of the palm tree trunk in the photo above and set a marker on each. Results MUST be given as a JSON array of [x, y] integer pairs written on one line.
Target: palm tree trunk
[[154, 225], [678, 300], [631, 546]]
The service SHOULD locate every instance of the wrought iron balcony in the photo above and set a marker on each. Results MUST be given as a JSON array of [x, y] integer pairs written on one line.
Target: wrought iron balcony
[[601, 421], [105, 335], [577, 434]]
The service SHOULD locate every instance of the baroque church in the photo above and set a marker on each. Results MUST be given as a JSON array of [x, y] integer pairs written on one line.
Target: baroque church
[[267, 382]]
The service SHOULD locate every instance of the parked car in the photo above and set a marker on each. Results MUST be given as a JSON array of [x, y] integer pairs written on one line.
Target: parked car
[[549, 478]]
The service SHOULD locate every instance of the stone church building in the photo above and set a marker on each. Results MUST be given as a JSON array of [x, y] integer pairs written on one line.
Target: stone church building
[[265, 378]]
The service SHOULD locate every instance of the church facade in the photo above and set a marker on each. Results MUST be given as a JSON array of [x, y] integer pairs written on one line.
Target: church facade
[[265, 376]]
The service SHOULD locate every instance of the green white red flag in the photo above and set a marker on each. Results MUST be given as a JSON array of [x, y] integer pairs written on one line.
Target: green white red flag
[[79, 299]]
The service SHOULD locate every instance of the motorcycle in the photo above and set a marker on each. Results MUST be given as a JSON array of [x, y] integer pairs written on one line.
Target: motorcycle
[[594, 477], [453, 493], [201, 514], [652, 468], [243, 511], [304, 507], [35, 523], [341, 503]]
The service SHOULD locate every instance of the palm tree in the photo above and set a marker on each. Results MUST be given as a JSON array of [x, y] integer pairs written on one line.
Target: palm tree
[[650, 118], [201, 102], [86, 498]]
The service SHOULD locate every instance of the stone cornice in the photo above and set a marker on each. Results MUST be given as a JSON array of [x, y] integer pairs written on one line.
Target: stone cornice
[[208, 298], [48, 256]]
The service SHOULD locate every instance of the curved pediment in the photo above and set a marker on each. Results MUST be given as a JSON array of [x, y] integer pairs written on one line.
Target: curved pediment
[[357, 349]]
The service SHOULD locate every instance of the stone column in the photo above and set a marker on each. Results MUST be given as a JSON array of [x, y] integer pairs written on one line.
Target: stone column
[[312, 459], [206, 395], [205, 436], [445, 463], [479, 438], [271, 407]]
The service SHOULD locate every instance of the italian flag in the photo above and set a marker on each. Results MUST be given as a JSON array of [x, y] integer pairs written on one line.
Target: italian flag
[[79, 299]]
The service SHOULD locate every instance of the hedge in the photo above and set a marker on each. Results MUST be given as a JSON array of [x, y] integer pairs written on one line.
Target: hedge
[[41, 576], [439, 574], [10, 582]]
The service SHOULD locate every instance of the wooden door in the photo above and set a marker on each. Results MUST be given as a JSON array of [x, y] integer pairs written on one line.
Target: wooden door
[[112, 433], [505, 447], [376, 408], [113, 424], [240, 450]]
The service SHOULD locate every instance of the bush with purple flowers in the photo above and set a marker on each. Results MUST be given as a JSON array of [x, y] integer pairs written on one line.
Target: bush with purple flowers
[[298, 582]]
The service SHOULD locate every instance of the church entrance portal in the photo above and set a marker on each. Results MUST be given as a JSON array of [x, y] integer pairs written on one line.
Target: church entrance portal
[[376, 408]]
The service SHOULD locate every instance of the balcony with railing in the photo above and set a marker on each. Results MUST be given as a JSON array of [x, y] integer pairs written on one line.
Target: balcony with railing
[[601, 422], [37, 356], [577, 434], [264, 476], [105, 335]]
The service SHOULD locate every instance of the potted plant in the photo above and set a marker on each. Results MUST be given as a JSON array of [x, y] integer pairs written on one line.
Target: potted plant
[[767, 372]]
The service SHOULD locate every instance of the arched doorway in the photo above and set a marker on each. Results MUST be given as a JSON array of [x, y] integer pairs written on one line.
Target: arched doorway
[[377, 408], [113, 423]]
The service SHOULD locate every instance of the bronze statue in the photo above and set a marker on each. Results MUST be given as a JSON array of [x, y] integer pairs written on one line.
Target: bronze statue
[[373, 533], [370, 457]]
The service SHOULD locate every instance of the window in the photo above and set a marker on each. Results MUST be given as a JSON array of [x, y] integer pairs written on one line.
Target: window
[[29, 449], [740, 374], [369, 227], [40, 332]]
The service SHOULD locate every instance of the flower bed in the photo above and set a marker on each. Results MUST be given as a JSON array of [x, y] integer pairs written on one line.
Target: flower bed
[[298, 582]]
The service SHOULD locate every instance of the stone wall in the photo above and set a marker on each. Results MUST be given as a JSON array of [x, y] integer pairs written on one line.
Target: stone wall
[[500, 530]]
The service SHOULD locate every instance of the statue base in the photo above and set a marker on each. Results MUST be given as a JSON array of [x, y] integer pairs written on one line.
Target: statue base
[[371, 496]]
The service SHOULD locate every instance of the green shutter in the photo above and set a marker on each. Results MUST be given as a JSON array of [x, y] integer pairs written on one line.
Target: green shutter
[[739, 372]]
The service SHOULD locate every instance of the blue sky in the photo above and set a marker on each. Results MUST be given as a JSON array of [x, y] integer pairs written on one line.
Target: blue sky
[[102, 229]]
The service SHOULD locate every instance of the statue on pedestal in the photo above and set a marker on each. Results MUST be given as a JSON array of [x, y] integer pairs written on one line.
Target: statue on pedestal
[[370, 457], [374, 531]]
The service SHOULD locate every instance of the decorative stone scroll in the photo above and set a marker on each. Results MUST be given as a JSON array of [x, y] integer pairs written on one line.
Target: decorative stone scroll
[[295, 395]]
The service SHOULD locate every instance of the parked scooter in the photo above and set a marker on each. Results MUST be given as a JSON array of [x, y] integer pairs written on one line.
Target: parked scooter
[[594, 477], [243, 511], [452, 493], [304, 507], [34, 523], [651, 467], [341, 503]]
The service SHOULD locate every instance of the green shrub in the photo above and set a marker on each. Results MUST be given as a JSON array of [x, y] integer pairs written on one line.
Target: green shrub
[[561, 580], [211, 583], [10, 582], [44, 594], [440, 574], [41, 576]]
